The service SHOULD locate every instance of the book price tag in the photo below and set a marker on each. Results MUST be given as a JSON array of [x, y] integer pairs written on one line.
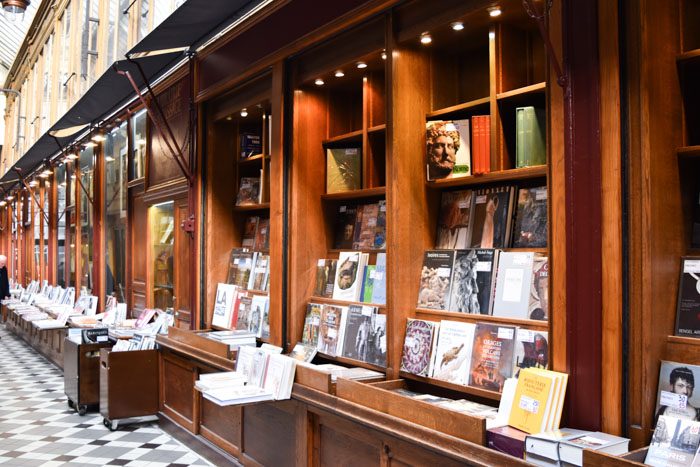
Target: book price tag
[[321, 262], [541, 194], [505, 333], [481, 199], [526, 335], [444, 272], [373, 274], [528, 404], [366, 311], [673, 400], [691, 266], [463, 205], [378, 275], [483, 266], [342, 208]]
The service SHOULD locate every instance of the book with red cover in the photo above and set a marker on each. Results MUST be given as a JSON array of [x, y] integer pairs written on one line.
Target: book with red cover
[[507, 440], [481, 143], [250, 231], [492, 356]]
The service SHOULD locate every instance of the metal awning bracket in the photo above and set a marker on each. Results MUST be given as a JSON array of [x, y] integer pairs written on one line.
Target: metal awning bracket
[[540, 17]]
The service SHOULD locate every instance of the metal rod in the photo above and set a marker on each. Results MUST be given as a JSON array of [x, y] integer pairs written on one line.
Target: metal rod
[[31, 194], [533, 12]]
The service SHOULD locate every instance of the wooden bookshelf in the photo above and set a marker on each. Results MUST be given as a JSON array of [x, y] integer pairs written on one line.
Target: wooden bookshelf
[[683, 349], [689, 152], [531, 89], [351, 137], [371, 252], [365, 193], [481, 104], [377, 128], [478, 392], [425, 313], [688, 56], [331, 301], [252, 207], [503, 176], [252, 160], [350, 362]]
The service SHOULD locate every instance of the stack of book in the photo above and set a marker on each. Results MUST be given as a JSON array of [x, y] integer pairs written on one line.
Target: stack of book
[[234, 338], [565, 446], [249, 270]]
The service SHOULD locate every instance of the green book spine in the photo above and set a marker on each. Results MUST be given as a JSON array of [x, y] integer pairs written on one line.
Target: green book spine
[[538, 152], [369, 284], [530, 148], [520, 137]]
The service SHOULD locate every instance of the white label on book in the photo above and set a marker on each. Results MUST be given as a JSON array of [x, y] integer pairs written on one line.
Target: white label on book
[[673, 400], [351, 151], [378, 275], [526, 335], [541, 194], [589, 441], [342, 209], [321, 262], [512, 285], [332, 333], [691, 266], [481, 199], [505, 333], [483, 266], [528, 404], [409, 341], [366, 311], [463, 205], [102, 338], [382, 207], [372, 222], [373, 274], [444, 272], [520, 259], [353, 259]]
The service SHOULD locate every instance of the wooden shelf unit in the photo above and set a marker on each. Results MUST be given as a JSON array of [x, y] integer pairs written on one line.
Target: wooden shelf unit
[[351, 362], [315, 299], [425, 313], [502, 176]]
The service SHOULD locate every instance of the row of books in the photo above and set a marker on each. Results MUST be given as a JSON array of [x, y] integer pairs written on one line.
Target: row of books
[[140, 341], [355, 331], [509, 284], [355, 281], [256, 233], [361, 227], [490, 218], [249, 269], [236, 308], [481, 355]]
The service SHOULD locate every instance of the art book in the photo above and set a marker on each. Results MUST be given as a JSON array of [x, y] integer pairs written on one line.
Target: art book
[[491, 217], [262, 235], [365, 227], [322, 270], [448, 154], [420, 340], [539, 289], [675, 396], [345, 227], [531, 350], [240, 265], [380, 228], [453, 351], [250, 229], [379, 283], [530, 229], [492, 356], [223, 305], [473, 280], [376, 354], [435, 279], [331, 331], [343, 169], [248, 191], [674, 443], [245, 318], [513, 284], [303, 352], [258, 307], [357, 332], [688, 308], [453, 223], [312, 323], [368, 283], [348, 275]]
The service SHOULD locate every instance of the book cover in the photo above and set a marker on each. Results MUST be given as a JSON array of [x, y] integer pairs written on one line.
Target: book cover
[[674, 443], [448, 154], [453, 351], [675, 396], [481, 144], [258, 308], [453, 223], [539, 289], [265, 321], [343, 169], [492, 356], [376, 345], [303, 352], [244, 314], [380, 228], [435, 279], [345, 227], [531, 403], [531, 350], [530, 229], [260, 272], [365, 227], [368, 283], [330, 338], [240, 264], [251, 145], [223, 305], [472, 281], [530, 148], [571, 450], [262, 235], [330, 281], [418, 346], [248, 191], [688, 307], [513, 284], [250, 229], [348, 276], [379, 283], [546, 444], [507, 440], [322, 270], [312, 323], [491, 217], [357, 331]]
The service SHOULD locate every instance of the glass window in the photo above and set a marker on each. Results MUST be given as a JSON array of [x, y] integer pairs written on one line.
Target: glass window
[[89, 13], [143, 20], [115, 208], [123, 29], [61, 205], [64, 64], [138, 138], [162, 219], [47, 83], [86, 161], [45, 220], [37, 224]]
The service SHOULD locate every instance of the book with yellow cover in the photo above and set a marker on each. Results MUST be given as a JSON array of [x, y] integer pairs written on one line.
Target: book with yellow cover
[[559, 390], [532, 401]]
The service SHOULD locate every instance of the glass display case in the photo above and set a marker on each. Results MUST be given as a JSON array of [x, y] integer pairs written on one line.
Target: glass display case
[[162, 232]]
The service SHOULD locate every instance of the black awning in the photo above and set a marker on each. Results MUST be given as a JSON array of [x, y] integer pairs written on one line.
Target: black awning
[[192, 24]]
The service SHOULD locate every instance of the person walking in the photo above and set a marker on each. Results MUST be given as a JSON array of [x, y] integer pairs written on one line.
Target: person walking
[[4, 282]]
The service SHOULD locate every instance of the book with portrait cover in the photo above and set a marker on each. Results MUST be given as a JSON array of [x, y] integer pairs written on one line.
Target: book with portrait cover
[[250, 230], [688, 307], [539, 289], [530, 229], [453, 223], [492, 356], [435, 279], [675, 396], [473, 280], [448, 154], [323, 269], [357, 331], [345, 227], [420, 340], [259, 311], [343, 169], [453, 352], [332, 330], [348, 275], [531, 350], [365, 226], [376, 354], [248, 191], [675, 443], [492, 214], [312, 323]]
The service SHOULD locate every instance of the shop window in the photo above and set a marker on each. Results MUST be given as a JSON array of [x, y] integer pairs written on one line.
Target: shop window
[[115, 209], [138, 138]]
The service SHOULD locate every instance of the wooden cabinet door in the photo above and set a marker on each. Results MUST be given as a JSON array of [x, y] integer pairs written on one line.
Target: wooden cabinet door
[[182, 301], [138, 252]]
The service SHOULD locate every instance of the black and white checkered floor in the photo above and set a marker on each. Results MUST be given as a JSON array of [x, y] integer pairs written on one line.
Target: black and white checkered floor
[[38, 429]]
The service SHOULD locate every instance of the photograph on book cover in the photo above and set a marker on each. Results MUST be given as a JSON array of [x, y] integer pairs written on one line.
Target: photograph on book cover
[[675, 395]]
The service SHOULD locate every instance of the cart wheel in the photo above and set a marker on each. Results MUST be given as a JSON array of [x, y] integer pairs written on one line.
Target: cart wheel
[[113, 426], [105, 422], [82, 410], [71, 404]]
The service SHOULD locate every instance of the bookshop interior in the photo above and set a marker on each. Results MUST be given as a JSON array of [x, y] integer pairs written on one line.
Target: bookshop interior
[[357, 232]]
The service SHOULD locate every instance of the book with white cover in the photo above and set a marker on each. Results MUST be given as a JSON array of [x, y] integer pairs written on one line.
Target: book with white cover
[[259, 311], [223, 305], [453, 352], [512, 299], [571, 450], [348, 275], [546, 444], [279, 376], [237, 395]]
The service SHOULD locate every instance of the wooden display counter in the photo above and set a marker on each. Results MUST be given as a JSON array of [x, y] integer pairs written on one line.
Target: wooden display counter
[[48, 342], [598, 459], [81, 374]]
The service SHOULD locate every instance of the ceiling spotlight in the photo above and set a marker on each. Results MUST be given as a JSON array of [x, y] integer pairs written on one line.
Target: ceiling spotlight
[[457, 25], [495, 11], [383, 54], [72, 156], [98, 138], [229, 118], [15, 7], [109, 159], [90, 144], [244, 112], [361, 65], [319, 82], [339, 74], [425, 38]]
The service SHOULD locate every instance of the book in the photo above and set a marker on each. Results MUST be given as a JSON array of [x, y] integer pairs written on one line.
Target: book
[[259, 316], [674, 442], [379, 283], [530, 148], [244, 320], [435, 279], [357, 332], [348, 275], [418, 346], [675, 396], [365, 227], [259, 271], [248, 191], [453, 351], [376, 354], [343, 169], [492, 214], [332, 329], [380, 228], [448, 154], [240, 264], [532, 403], [250, 229], [507, 440], [688, 306], [530, 227], [323, 267], [262, 235], [531, 350], [303, 352], [144, 317], [453, 223], [539, 288], [513, 284], [543, 447], [492, 356], [345, 227], [368, 283], [571, 449], [231, 395], [473, 280], [279, 376], [251, 144], [481, 144], [695, 231]]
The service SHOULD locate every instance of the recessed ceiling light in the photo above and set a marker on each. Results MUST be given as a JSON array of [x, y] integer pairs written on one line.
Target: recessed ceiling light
[[244, 112], [361, 65], [339, 74], [495, 11], [425, 38], [457, 25], [383, 55], [229, 118], [319, 82]]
